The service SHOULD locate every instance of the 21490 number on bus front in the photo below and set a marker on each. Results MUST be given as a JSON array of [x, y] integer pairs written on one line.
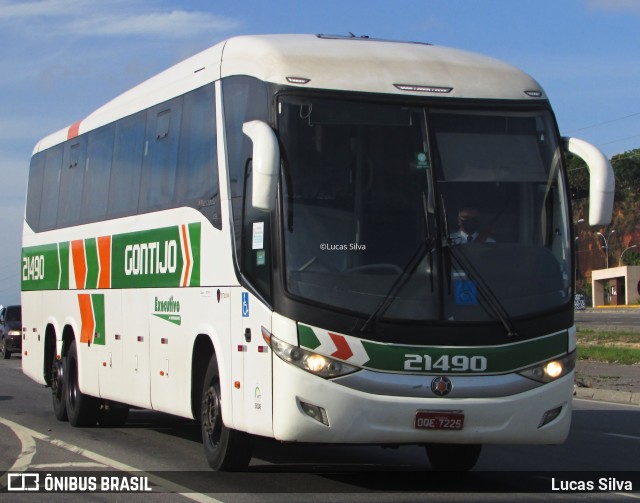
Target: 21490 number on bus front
[[445, 363]]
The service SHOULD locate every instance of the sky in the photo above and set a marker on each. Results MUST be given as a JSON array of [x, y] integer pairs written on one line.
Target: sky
[[62, 59]]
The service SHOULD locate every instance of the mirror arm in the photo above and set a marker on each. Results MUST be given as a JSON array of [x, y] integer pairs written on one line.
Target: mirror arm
[[601, 180]]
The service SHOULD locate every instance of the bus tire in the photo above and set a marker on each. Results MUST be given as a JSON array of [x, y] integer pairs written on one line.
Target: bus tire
[[453, 457], [82, 410], [226, 449], [57, 388]]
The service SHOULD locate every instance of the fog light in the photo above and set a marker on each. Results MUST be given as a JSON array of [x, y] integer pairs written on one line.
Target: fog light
[[549, 416], [315, 412]]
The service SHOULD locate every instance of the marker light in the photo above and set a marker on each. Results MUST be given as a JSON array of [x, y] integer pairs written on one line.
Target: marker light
[[314, 363], [298, 80], [534, 93], [551, 369], [423, 89]]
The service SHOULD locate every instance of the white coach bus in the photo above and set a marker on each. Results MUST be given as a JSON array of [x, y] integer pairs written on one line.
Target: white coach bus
[[268, 238]]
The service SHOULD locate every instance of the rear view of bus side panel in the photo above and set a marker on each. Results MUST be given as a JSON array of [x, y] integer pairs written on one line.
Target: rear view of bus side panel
[[33, 336]]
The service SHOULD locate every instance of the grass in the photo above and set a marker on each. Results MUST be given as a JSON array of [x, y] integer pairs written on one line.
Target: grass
[[609, 346]]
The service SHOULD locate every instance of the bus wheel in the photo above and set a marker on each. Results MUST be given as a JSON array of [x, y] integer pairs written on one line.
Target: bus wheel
[[57, 386], [225, 449], [82, 409], [453, 457]]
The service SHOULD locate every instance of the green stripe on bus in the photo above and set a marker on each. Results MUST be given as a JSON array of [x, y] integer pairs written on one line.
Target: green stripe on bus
[[499, 359], [150, 258], [97, 301], [91, 254], [63, 255], [307, 337], [40, 268], [194, 237]]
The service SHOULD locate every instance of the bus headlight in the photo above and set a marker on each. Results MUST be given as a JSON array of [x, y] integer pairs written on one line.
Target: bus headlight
[[552, 369], [314, 363]]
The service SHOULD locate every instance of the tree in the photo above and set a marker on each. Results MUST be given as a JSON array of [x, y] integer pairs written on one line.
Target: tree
[[578, 177], [627, 172]]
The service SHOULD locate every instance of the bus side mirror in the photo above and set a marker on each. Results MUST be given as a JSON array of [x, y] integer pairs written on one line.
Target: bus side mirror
[[266, 160], [601, 180]]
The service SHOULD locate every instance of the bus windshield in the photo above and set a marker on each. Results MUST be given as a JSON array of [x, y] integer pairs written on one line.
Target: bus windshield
[[419, 213]]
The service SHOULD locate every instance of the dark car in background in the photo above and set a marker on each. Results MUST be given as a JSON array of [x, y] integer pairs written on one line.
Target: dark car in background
[[10, 330]]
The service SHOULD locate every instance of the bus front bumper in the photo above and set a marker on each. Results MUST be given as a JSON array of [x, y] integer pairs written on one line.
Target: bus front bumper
[[303, 403]]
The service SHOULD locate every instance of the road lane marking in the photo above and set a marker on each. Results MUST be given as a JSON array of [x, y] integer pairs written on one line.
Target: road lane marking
[[27, 451], [72, 464], [629, 495], [623, 436], [27, 436]]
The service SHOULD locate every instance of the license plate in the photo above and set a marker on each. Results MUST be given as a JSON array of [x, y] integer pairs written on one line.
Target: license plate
[[439, 420]]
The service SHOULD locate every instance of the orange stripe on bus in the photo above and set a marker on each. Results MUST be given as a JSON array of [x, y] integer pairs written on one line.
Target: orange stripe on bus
[[79, 262], [86, 315], [104, 256], [185, 242], [74, 130]]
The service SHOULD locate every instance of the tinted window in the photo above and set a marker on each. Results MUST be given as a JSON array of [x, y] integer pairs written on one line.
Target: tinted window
[[71, 181], [160, 156], [124, 186], [13, 313], [51, 185], [245, 99], [98, 171], [197, 174], [34, 191]]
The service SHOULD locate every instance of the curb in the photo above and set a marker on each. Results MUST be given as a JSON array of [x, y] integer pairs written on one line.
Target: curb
[[607, 395]]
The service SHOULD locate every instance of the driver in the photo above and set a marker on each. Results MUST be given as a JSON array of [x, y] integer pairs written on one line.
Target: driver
[[469, 228]]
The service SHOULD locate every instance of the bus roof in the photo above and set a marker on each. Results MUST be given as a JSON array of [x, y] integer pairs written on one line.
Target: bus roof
[[323, 62]]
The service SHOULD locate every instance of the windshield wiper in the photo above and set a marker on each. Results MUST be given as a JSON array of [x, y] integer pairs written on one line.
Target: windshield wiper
[[491, 301], [423, 250]]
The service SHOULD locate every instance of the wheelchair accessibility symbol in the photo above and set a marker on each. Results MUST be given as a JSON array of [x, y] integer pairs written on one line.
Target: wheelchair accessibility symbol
[[465, 293], [245, 304]]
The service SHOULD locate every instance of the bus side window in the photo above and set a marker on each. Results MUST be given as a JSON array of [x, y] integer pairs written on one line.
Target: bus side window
[[51, 188], [71, 182], [97, 173], [160, 156], [197, 173], [256, 242], [124, 184], [34, 192]]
